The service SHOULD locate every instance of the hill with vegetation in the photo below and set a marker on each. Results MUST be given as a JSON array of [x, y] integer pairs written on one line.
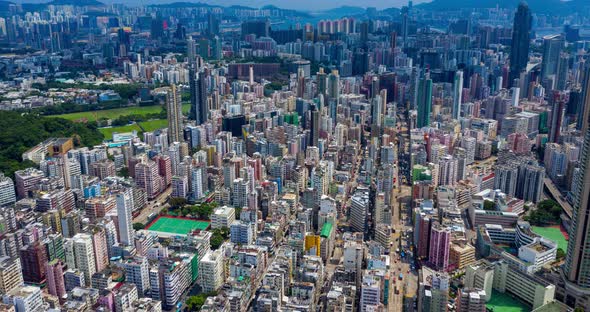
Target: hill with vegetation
[[20, 132], [536, 6]]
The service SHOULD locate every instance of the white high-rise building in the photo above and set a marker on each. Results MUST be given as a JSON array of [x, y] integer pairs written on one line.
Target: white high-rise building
[[180, 187], [80, 253], [359, 210], [124, 209], [223, 217], [196, 181], [447, 170], [457, 94], [11, 275], [125, 296], [137, 272], [469, 143], [25, 299], [174, 112], [370, 292], [240, 193], [7, 193], [211, 271]]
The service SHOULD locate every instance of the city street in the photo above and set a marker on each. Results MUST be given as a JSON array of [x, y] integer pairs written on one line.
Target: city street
[[154, 206], [402, 238]]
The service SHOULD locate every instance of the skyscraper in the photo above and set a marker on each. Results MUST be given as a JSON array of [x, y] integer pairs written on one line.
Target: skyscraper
[[393, 40], [191, 50], [11, 275], [521, 34], [124, 208], [359, 210], [314, 125], [577, 262], [80, 255], [55, 278], [562, 71], [439, 251], [405, 19], [321, 81], [457, 94], [582, 113], [334, 86], [364, 27], [198, 95], [558, 100], [552, 46], [530, 181], [424, 102], [447, 170], [174, 111], [213, 25], [33, 257]]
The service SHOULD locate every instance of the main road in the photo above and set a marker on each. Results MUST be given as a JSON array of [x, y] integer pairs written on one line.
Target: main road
[[153, 206], [401, 203]]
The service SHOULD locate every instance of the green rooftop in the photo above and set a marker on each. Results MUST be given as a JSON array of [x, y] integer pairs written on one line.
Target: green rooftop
[[326, 229], [502, 302], [554, 234], [177, 225]]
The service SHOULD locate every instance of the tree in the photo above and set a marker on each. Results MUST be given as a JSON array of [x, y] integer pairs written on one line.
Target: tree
[[238, 212], [203, 211], [138, 226], [21, 131], [547, 212], [560, 254], [218, 237], [177, 202], [216, 241], [194, 303], [124, 172], [488, 205]]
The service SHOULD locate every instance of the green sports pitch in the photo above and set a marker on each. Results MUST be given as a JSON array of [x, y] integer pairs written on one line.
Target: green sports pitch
[[177, 225]]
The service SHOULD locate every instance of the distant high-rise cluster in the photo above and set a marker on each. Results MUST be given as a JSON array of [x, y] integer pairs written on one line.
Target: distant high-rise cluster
[[229, 158]]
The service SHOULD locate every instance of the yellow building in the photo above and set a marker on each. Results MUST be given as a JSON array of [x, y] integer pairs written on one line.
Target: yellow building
[[462, 255], [312, 245]]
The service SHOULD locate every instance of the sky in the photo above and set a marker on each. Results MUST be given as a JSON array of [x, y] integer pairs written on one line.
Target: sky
[[315, 5], [303, 5]]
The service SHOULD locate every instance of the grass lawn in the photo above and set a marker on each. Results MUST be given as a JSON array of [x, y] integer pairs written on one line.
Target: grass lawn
[[154, 124], [149, 125], [117, 112], [112, 113], [186, 108], [177, 226], [552, 233], [108, 132], [505, 303]]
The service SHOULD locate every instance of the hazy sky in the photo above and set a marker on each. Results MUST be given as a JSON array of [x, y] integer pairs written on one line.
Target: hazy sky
[[305, 5], [314, 5]]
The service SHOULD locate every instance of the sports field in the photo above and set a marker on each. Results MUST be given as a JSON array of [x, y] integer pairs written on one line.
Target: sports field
[[149, 125], [116, 112], [108, 132], [177, 225], [154, 124], [111, 113], [552, 233], [505, 303]]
